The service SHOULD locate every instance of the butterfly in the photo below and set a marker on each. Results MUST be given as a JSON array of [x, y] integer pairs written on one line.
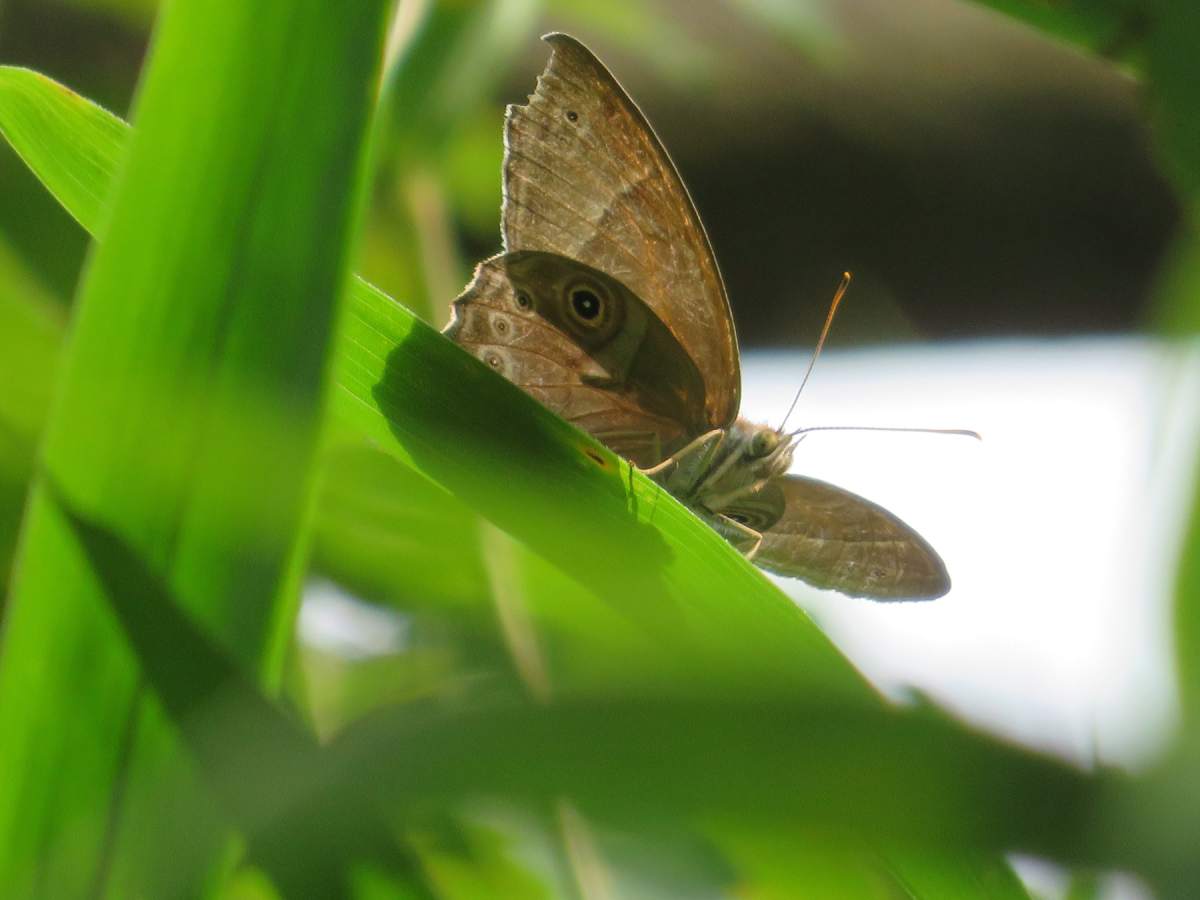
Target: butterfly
[[607, 306]]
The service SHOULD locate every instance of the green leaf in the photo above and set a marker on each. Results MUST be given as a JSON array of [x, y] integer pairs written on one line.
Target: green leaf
[[31, 330], [939, 876], [811, 862], [1174, 73], [1187, 621], [37, 114], [906, 780], [191, 398], [473, 859], [1178, 312], [375, 511], [1113, 28], [441, 413], [263, 768]]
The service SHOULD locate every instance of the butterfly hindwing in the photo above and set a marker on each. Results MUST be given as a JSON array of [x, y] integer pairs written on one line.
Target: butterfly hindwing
[[834, 539], [583, 345]]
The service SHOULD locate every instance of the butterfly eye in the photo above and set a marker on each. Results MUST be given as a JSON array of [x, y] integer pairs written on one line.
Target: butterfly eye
[[572, 116], [763, 444]]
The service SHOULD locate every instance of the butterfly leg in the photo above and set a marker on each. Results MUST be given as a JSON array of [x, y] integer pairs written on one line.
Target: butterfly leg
[[742, 530], [629, 444], [709, 437], [656, 452]]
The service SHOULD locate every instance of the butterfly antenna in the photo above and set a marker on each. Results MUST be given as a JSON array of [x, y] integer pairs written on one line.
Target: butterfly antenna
[[962, 432], [837, 298]]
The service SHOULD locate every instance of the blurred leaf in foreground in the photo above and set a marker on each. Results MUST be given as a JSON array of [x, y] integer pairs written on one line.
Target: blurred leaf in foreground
[[192, 394], [31, 329], [264, 769]]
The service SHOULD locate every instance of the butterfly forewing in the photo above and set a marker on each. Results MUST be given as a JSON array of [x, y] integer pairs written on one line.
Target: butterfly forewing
[[586, 178], [834, 539]]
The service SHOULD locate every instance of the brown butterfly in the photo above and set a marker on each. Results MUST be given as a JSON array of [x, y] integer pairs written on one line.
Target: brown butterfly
[[607, 307]]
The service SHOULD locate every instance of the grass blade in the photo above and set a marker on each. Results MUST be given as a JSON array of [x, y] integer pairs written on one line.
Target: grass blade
[[31, 330], [263, 768], [225, 250]]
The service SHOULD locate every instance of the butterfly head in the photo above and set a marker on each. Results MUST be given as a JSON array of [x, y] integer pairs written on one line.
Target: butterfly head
[[767, 451], [749, 456]]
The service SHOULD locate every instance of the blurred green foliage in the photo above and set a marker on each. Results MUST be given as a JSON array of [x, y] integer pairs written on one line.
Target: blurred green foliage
[[186, 417], [1112, 28], [554, 723]]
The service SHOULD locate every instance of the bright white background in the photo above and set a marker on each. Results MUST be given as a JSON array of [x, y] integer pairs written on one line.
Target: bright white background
[[1059, 529]]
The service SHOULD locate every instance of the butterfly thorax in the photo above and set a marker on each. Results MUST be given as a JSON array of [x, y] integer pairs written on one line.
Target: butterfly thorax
[[726, 464]]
